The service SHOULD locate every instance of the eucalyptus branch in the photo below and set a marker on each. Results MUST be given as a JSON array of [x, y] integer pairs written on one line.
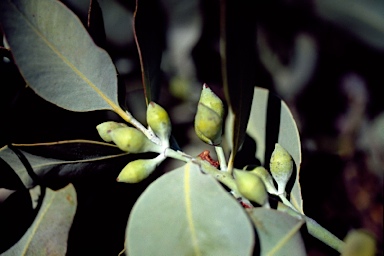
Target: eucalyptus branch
[[314, 228], [150, 135], [221, 158]]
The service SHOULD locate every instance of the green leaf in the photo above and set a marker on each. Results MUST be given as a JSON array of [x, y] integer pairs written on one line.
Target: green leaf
[[57, 57], [238, 57], [272, 122], [150, 40], [279, 233], [185, 212], [49, 232], [56, 164]]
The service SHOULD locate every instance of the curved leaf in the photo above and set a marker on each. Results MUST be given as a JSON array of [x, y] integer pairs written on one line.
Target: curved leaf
[[82, 157], [149, 34], [57, 57], [278, 232], [185, 212], [49, 232], [272, 122], [238, 57]]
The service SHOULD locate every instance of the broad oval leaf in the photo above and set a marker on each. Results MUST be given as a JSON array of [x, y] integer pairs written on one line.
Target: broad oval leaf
[[279, 233], [185, 212], [57, 164], [57, 57], [49, 232], [272, 122]]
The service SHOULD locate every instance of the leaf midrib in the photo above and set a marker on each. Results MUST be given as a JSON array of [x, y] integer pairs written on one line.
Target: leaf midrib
[[65, 60]]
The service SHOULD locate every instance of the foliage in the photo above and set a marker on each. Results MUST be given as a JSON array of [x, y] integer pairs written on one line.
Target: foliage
[[203, 207]]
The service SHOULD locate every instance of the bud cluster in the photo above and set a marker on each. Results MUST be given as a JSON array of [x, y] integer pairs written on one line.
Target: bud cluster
[[132, 140], [255, 184]]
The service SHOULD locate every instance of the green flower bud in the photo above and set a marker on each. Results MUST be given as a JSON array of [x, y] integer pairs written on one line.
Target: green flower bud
[[132, 140], [104, 129], [137, 170], [209, 117], [158, 120], [211, 100], [251, 186], [281, 166], [359, 243], [266, 177]]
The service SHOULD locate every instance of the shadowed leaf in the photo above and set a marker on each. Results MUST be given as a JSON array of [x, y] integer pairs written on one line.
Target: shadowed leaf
[[149, 36], [57, 164], [238, 41], [49, 232], [96, 24]]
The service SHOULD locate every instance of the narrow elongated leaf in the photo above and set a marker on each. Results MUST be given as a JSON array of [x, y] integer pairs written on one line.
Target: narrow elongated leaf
[[279, 233], [56, 170], [238, 55], [96, 24], [149, 34], [272, 122], [57, 57], [185, 212], [49, 232]]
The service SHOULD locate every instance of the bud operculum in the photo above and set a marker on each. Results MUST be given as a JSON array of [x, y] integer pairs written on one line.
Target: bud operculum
[[209, 117], [281, 167], [104, 129], [158, 120]]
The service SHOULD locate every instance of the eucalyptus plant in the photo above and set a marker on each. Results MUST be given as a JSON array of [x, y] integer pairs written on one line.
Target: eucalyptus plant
[[204, 207]]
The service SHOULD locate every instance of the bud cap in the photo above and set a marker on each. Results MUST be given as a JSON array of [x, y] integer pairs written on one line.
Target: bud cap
[[281, 167], [104, 129]]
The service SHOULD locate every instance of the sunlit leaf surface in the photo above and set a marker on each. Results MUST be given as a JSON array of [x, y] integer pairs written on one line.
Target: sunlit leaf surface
[[57, 57], [188, 213]]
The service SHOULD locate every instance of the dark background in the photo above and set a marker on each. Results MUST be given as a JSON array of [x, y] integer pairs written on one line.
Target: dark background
[[325, 61]]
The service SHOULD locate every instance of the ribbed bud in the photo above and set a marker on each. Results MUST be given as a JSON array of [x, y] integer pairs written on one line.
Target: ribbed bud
[[158, 120], [132, 140], [137, 170], [104, 129], [266, 177], [251, 186], [281, 167], [209, 117]]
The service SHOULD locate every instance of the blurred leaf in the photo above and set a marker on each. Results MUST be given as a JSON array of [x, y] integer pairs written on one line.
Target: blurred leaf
[[150, 41], [272, 122], [96, 24], [57, 57], [57, 164], [279, 233], [185, 212], [364, 19], [238, 54], [49, 232]]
